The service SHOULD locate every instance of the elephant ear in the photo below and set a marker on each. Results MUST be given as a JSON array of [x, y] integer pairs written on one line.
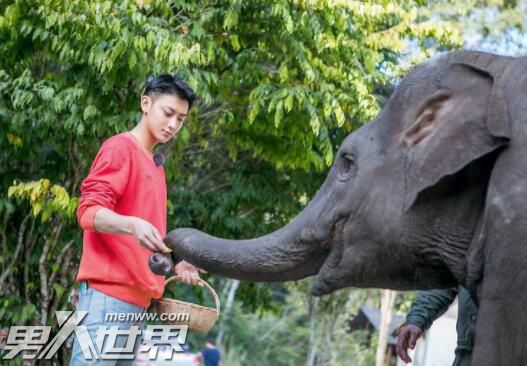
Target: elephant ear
[[465, 119]]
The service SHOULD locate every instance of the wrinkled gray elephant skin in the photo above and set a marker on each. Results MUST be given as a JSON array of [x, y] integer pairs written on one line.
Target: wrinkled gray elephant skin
[[429, 194]]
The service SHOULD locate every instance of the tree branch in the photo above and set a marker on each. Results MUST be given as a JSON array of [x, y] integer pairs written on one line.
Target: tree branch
[[4, 240], [44, 289], [65, 259], [59, 259], [28, 249], [20, 242]]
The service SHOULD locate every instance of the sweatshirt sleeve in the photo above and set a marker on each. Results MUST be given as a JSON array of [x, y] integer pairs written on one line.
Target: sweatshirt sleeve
[[105, 183], [430, 305]]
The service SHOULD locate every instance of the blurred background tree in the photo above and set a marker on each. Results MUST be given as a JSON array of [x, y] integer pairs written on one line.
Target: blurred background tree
[[280, 83]]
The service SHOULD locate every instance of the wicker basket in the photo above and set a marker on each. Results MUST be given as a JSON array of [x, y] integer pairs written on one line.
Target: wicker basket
[[200, 318]]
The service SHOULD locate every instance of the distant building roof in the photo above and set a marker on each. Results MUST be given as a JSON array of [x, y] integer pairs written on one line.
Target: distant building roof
[[369, 318]]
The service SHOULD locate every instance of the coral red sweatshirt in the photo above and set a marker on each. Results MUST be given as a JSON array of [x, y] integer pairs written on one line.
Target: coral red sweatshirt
[[124, 179]]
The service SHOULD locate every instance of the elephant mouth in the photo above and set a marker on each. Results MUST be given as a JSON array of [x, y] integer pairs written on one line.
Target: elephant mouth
[[328, 277], [330, 272]]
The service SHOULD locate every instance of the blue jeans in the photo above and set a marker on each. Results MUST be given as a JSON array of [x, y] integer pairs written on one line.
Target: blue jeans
[[98, 305]]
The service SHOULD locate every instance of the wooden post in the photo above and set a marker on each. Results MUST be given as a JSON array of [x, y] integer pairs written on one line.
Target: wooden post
[[387, 302]]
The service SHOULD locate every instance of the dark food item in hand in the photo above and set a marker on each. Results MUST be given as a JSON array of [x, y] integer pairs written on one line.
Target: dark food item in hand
[[161, 264]]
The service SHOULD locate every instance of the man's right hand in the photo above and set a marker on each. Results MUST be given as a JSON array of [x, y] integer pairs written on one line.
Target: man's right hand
[[408, 336], [147, 235]]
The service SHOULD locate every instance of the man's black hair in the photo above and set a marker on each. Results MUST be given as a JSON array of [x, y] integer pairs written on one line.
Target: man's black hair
[[211, 341], [170, 84]]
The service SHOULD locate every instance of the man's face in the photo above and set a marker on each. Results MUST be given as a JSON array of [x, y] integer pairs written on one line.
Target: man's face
[[164, 115]]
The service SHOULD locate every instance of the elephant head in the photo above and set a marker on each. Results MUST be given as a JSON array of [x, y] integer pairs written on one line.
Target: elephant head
[[403, 200]]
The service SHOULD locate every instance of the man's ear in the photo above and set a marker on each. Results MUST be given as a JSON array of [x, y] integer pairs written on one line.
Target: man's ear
[[465, 120], [146, 104]]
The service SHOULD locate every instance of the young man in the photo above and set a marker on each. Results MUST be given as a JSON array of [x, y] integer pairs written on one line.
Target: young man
[[122, 211], [210, 354]]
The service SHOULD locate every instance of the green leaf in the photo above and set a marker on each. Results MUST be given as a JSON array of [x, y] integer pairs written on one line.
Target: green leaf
[[231, 19], [46, 214], [288, 103], [59, 290], [234, 42], [27, 312], [339, 115], [315, 124], [132, 60], [37, 207], [11, 191], [89, 112], [279, 112], [55, 267]]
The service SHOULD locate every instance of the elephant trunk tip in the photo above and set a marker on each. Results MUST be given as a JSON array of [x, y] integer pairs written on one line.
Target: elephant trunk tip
[[179, 237]]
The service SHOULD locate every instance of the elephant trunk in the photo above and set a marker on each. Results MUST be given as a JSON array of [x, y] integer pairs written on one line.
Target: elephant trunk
[[290, 253]]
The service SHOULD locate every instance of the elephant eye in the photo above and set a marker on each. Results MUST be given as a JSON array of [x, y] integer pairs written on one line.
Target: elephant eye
[[346, 166]]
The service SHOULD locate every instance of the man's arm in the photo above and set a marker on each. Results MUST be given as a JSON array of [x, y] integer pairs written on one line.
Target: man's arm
[[110, 222], [430, 305], [427, 307]]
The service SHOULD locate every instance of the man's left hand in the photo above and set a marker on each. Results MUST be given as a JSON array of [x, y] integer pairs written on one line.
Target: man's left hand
[[407, 337], [189, 274]]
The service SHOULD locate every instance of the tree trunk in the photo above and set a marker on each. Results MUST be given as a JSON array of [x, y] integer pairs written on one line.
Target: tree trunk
[[227, 308], [313, 310], [387, 302]]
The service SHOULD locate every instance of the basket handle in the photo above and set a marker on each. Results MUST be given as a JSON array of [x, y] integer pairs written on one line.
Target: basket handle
[[204, 283]]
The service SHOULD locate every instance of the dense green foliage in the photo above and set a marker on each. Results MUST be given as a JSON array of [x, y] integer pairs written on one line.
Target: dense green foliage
[[280, 83]]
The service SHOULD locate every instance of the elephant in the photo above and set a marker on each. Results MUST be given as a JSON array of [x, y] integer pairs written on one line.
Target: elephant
[[432, 193]]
